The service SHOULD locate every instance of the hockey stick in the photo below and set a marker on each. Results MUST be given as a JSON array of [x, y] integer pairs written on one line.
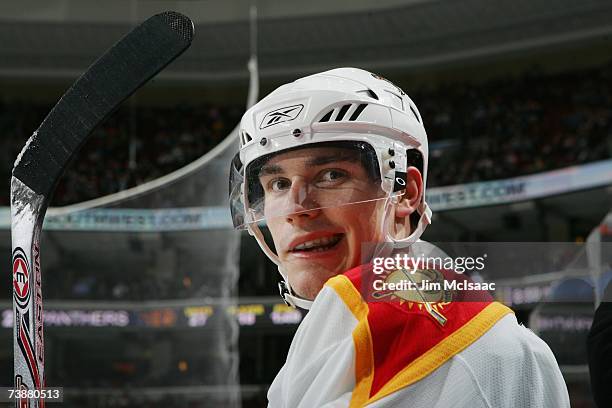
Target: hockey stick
[[116, 75]]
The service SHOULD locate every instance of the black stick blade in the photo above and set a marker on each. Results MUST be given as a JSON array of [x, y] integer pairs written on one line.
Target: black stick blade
[[110, 80]]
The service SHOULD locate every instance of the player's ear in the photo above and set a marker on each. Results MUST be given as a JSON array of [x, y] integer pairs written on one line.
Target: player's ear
[[410, 200]]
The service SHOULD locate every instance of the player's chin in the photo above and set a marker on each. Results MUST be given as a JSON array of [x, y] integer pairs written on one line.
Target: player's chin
[[308, 281]]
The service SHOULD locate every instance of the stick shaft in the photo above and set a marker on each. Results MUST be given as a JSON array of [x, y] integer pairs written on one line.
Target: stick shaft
[[28, 344]]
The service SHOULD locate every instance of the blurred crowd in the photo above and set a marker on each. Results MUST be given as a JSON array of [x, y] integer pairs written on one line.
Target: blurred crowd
[[134, 145], [97, 286], [516, 126], [497, 129]]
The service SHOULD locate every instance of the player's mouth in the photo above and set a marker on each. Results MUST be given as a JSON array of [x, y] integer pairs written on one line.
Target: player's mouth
[[317, 245]]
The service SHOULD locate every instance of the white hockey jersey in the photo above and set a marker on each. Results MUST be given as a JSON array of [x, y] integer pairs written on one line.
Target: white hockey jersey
[[349, 352]]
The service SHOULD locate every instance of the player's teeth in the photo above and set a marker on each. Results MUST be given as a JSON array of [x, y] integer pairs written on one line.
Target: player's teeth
[[317, 242]]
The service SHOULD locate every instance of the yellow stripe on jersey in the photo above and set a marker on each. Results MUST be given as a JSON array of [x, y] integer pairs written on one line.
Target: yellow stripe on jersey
[[362, 338], [445, 350]]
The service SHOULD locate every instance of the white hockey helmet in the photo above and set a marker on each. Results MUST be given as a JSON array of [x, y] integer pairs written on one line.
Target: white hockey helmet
[[349, 105]]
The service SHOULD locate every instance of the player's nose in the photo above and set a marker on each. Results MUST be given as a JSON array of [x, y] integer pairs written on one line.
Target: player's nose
[[302, 217], [302, 205]]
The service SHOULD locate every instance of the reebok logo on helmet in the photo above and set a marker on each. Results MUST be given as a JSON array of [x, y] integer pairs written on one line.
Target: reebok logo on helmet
[[281, 115]]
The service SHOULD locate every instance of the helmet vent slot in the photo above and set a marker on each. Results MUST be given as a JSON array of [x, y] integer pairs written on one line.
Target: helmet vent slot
[[342, 112], [369, 92], [415, 113], [327, 116], [246, 138], [353, 110], [358, 111]]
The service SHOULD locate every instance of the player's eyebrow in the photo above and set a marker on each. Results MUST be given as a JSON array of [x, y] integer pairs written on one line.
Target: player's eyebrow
[[270, 169], [273, 169], [321, 160]]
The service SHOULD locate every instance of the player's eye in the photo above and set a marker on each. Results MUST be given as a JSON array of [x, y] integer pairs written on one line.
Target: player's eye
[[279, 184], [332, 177]]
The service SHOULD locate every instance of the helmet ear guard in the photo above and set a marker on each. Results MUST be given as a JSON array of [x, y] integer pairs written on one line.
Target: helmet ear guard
[[341, 105]]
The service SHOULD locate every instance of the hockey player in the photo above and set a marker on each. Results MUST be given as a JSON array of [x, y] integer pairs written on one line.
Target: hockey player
[[335, 165]]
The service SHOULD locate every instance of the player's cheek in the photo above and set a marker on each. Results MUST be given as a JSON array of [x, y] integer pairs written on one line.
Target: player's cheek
[[350, 248]]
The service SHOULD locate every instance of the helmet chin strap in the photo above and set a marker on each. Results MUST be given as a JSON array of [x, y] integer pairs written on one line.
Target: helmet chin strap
[[293, 300]]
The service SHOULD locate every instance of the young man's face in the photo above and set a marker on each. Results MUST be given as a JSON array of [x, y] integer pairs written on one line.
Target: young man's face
[[321, 205]]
